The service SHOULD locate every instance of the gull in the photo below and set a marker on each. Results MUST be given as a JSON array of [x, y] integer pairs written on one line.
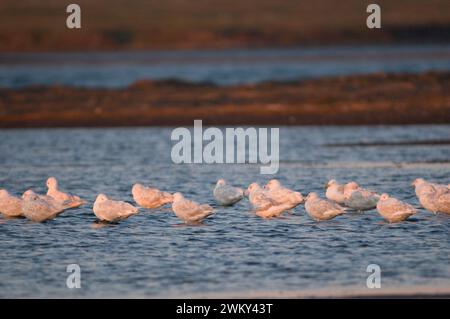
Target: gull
[[283, 195], [149, 197], [10, 206], [322, 209], [189, 211], [61, 197], [112, 211], [359, 198], [255, 193], [421, 186], [434, 200], [429, 194], [263, 204], [44, 197], [63, 205], [335, 191], [38, 209], [394, 210], [444, 203], [226, 194]]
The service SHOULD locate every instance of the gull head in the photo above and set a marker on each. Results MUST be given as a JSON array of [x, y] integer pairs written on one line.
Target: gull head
[[417, 182], [331, 182], [311, 196], [349, 188], [52, 183], [28, 193], [352, 185], [384, 196], [272, 184], [177, 197], [101, 198], [251, 188], [136, 188], [220, 182]]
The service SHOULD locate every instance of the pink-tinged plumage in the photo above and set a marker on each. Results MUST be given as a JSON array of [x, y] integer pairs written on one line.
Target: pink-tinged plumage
[[283, 195], [149, 197], [336, 192], [433, 197], [394, 210], [54, 192], [190, 211], [322, 209], [112, 211], [39, 210], [10, 206], [263, 205]]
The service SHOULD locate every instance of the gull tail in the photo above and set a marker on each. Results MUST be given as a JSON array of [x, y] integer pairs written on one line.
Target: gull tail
[[207, 209]]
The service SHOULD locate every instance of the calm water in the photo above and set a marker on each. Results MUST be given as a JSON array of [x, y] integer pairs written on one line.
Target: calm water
[[224, 67], [152, 255]]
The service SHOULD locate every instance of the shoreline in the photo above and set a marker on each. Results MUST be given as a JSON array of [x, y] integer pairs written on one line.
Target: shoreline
[[373, 99]]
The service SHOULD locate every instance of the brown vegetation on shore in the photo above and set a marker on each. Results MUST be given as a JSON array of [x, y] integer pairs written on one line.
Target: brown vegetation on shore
[[353, 100], [30, 25]]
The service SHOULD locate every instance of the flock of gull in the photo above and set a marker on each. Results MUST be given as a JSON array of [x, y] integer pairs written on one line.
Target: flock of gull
[[269, 201]]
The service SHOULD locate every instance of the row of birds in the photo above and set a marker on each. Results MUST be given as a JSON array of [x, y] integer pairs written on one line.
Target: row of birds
[[271, 200]]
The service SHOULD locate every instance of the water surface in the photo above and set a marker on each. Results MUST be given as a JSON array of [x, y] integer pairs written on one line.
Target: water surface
[[153, 255], [222, 67]]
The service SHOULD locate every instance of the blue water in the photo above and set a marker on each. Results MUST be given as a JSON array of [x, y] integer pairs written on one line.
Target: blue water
[[153, 255], [223, 67]]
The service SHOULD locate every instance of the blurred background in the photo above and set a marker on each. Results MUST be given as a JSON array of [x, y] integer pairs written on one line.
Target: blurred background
[[227, 62], [182, 24]]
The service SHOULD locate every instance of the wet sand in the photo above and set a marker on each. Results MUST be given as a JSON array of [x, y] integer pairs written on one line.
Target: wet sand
[[352, 100]]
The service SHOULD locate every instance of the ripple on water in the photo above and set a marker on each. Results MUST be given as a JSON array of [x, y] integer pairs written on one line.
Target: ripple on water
[[153, 254]]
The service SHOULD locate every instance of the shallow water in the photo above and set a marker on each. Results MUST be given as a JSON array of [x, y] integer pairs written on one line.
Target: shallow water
[[223, 67], [153, 255]]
